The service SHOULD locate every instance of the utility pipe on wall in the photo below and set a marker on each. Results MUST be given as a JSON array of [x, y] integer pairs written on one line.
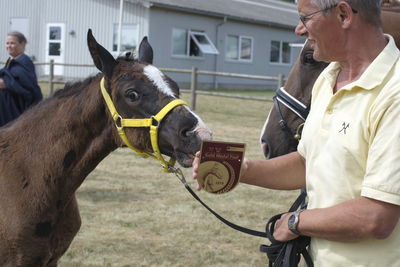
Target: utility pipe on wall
[[121, 7]]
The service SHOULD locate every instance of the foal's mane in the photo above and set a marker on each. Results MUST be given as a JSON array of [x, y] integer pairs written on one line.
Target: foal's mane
[[74, 88]]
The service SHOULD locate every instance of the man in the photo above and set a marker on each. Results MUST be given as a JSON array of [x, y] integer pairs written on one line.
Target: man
[[349, 155], [18, 82]]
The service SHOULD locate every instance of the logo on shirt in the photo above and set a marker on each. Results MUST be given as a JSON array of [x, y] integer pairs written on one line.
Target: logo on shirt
[[344, 128]]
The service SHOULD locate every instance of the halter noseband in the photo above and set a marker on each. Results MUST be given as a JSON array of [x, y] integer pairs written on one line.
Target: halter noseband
[[153, 123], [298, 108]]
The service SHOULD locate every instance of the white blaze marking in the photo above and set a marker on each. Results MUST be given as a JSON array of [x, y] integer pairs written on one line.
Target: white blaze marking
[[157, 77], [201, 128]]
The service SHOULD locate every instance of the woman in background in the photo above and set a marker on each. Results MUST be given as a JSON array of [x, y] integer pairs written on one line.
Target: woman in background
[[19, 88]]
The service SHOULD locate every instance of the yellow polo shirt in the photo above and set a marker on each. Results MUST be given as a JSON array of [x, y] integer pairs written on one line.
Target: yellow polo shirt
[[351, 143]]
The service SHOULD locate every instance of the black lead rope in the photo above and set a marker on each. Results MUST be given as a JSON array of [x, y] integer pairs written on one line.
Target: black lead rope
[[280, 254], [230, 224], [287, 254]]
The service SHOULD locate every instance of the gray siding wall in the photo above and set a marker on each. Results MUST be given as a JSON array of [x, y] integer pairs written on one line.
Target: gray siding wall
[[163, 21], [155, 22], [160, 31], [260, 64], [77, 15]]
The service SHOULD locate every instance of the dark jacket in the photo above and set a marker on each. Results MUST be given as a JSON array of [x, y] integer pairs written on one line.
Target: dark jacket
[[22, 89]]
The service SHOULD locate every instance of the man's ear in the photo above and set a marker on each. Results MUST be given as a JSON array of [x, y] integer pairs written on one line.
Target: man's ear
[[345, 14]]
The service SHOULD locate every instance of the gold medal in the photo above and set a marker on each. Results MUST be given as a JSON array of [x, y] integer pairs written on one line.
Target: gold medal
[[214, 176], [219, 167]]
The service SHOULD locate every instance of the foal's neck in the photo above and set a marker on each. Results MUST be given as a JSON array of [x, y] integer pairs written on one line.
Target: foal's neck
[[68, 135]]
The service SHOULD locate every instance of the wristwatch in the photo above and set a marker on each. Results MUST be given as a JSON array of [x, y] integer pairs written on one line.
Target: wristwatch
[[294, 221]]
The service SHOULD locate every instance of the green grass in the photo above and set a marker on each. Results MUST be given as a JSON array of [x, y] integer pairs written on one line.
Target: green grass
[[46, 90], [244, 92], [133, 214]]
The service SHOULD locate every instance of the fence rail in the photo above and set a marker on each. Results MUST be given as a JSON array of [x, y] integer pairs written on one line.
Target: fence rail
[[194, 72]]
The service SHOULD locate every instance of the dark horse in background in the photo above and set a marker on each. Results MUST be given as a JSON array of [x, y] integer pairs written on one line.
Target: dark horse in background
[[46, 154], [283, 127]]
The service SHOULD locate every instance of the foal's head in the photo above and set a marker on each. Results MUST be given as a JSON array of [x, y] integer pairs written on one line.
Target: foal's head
[[305, 71], [140, 90]]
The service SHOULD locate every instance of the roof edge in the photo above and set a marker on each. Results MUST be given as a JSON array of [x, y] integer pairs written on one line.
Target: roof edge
[[216, 14]]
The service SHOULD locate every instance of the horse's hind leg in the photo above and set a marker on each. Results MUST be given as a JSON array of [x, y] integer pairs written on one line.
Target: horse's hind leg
[[65, 231]]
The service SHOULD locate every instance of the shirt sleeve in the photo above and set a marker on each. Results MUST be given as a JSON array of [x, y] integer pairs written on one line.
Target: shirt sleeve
[[14, 80], [382, 177], [300, 149], [21, 80]]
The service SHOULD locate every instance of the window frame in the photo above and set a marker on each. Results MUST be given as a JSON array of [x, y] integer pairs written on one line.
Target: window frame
[[115, 31], [210, 44], [280, 62], [239, 47], [190, 36]]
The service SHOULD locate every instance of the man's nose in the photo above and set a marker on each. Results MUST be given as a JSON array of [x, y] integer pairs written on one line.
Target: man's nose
[[300, 29]]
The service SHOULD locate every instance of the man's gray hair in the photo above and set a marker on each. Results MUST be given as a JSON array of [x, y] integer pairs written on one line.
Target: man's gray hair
[[368, 10], [20, 37]]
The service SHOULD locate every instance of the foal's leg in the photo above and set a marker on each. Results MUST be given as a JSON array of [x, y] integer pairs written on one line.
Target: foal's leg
[[65, 231]]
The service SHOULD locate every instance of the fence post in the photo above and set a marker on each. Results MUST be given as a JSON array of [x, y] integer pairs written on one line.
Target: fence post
[[281, 80], [51, 76], [193, 88]]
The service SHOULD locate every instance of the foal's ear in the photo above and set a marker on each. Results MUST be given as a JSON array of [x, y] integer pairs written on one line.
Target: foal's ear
[[103, 60], [145, 51]]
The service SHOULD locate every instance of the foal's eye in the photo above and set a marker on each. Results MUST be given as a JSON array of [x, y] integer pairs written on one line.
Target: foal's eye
[[309, 59], [132, 95]]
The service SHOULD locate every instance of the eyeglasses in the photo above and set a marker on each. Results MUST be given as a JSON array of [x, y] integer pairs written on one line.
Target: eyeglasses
[[305, 18]]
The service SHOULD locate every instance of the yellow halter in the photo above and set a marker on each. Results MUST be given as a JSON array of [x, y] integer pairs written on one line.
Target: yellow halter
[[152, 123]]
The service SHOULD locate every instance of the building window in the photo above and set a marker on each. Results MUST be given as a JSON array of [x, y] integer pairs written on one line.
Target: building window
[[238, 48], [280, 52], [191, 43], [129, 37], [55, 40]]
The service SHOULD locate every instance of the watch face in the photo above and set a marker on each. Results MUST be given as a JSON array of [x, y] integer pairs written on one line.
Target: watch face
[[291, 220], [294, 221]]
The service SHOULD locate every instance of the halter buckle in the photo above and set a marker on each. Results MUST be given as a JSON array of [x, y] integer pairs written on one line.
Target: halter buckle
[[154, 122], [118, 122], [299, 131]]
